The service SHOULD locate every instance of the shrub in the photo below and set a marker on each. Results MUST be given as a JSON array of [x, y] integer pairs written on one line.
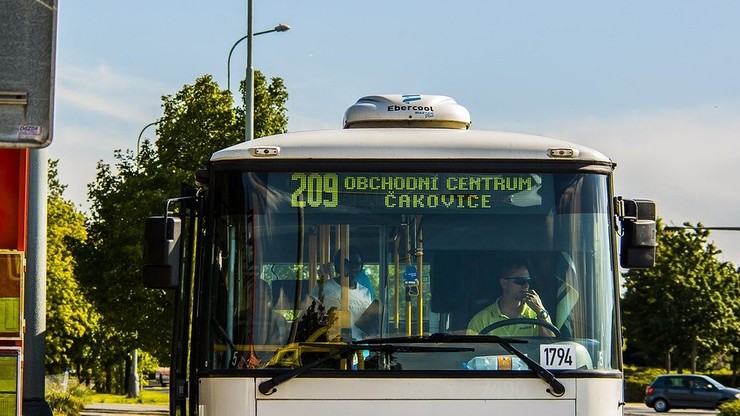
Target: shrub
[[636, 381], [66, 403], [730, 408]]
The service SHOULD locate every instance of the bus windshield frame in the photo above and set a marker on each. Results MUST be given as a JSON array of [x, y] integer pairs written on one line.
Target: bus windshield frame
[[431, 241]]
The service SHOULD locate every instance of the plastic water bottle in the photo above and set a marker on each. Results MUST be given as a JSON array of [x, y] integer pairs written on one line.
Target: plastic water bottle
[[518, 364], [495, 362], [481, 363]]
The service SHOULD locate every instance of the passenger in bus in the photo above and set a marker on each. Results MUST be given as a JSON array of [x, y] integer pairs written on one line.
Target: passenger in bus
[[332, 269], [518, 300], [330, 291]]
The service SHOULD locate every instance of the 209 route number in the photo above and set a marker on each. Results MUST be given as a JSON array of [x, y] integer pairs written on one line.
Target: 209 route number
[[316, 190]]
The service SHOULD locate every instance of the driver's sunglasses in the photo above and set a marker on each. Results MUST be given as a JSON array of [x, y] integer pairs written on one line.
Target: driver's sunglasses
[[520, 280]]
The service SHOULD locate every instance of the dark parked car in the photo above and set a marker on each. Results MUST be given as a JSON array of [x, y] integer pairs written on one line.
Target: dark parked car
[[162, 375], [687, 391]]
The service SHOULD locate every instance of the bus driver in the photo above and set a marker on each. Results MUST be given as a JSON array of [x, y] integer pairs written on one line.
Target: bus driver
[[518, 300]]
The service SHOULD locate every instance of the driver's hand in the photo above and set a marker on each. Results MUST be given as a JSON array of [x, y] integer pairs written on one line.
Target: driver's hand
[[532, 299]]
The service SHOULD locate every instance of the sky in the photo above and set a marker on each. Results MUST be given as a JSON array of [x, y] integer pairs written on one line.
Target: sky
[[653, 84]]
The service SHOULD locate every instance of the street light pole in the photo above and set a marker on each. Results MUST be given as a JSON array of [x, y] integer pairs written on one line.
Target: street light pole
[[279, 28], [249, 99]]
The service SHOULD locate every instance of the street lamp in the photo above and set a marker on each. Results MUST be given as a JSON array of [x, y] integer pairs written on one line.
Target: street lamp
[[279, 28], [138, 141]]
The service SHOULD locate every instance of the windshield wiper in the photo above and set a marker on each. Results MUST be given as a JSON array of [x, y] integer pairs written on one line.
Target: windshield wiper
[[557, 388], [268, 387]]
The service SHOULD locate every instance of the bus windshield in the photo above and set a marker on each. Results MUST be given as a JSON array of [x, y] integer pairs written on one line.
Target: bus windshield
[[302, 262]]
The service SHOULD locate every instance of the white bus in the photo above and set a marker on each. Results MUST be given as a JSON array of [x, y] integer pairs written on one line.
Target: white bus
[[404, 264]]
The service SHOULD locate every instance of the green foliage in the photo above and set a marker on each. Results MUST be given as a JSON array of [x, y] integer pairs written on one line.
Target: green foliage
[[730, 408], [636, 381], [70, 402], [197, 121], [110, 260], [63, 404], [70, 317], [269, 106], [153, 397], [686, 305], [146, 366]]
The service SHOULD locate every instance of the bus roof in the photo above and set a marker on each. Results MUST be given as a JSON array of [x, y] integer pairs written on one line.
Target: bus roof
[[410, 143]]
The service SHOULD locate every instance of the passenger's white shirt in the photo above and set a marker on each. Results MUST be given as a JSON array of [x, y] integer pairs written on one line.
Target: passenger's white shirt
[[359, 301]]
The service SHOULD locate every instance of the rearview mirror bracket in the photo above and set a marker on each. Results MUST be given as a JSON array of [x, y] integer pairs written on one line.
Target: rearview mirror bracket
[[639, 232], [161, 268]]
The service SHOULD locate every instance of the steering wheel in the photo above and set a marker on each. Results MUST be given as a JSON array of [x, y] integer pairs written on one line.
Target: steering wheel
[[516, 321]]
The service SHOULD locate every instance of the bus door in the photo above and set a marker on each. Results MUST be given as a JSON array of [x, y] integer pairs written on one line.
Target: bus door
[[180, 388]]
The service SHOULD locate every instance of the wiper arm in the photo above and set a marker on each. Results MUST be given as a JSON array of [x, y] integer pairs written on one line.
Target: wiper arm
[[268, 387], [557, 388]]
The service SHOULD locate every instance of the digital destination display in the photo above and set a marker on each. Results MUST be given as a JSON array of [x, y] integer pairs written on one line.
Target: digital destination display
[[417, 191]]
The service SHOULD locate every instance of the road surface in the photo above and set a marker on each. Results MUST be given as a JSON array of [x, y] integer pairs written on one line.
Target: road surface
[[109, 409], [639, 409]]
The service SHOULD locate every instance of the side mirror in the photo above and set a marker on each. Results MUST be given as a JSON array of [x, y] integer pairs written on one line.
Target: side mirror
[[161, 268], [639, 233]]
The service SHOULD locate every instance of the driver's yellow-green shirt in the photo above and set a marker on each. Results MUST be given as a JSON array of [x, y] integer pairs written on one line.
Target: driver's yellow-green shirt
[[492, 314]]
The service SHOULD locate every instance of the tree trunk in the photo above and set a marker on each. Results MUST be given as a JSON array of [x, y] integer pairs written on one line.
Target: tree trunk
[[126, 374], [668, 362], [694, 356], [108, 379]]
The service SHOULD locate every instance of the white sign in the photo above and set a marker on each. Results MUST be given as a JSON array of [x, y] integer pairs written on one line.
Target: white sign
[[558, 356], [29, 132]]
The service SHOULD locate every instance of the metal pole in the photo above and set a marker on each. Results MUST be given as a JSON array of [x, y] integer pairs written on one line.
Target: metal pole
[[134, 376], [34, 402], [249, 99]]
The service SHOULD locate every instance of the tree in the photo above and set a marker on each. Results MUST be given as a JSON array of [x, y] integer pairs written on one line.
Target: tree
[[70, 317], [200, 119], [110, 262], [196, 121], [682, 307], [269, 106]]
